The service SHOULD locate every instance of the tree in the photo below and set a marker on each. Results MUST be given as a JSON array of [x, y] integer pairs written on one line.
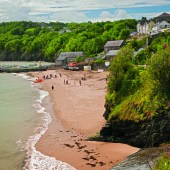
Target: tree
[[13, 45], [119, 66], [124, 34], [142, 57], [159, 68], [44, 40], [168, 41]]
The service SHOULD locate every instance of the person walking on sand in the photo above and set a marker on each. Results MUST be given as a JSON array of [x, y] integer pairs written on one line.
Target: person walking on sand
[[52, 87], [80, 82]]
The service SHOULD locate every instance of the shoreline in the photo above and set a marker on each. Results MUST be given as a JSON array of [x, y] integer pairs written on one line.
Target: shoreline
[[77, 114]]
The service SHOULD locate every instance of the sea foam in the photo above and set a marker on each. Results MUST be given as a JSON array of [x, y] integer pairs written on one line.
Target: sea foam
[[23, 76], [35, 159]]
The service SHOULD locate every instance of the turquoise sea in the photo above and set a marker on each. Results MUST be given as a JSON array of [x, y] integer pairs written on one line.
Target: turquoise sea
[[23, 120]]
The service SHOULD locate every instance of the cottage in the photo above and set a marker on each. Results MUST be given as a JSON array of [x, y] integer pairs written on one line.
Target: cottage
[[111, 54], [113, 45], [65, 57], [159, 26]]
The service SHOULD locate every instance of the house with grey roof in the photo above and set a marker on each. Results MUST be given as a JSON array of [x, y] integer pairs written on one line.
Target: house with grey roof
[[111, 54], [65, 57], [64, 30], [159, 26], [113, 45]]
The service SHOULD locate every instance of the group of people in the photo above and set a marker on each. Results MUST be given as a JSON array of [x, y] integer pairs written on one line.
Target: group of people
[[51, 76], [66, 82]]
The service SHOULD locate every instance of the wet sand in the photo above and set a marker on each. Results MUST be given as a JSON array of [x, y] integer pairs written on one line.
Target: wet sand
[[77, 113]]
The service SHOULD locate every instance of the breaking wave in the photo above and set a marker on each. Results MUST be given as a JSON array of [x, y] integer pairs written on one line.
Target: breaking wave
[[35, 160]]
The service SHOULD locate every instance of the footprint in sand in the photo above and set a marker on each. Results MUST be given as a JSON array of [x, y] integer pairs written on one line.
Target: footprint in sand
[[68, 145], [88, 152], [79, 145], [87, 159], [101, 163], [93, 165], [73, 136], [92, 157]]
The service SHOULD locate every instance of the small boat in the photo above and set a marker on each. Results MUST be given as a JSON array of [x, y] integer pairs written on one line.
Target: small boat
[[38, 80]]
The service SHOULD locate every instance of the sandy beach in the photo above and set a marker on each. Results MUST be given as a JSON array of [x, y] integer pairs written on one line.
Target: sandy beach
[[77, 112]]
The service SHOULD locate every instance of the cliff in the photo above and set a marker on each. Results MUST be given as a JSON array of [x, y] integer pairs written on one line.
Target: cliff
[[138, 101]]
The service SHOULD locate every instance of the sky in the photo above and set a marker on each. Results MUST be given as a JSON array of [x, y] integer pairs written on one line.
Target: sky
[[80, 10]]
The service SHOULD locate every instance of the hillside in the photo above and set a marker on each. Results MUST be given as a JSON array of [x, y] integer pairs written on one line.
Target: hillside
[[138, 98], [29, 41]]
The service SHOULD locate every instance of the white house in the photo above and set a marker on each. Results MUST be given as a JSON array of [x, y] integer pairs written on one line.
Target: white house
[[143, 26], [159, 26]]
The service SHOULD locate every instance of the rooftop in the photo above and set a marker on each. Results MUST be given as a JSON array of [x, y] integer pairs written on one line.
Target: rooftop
[[112, 52], [64, 55], [116, 43], [163, 15]]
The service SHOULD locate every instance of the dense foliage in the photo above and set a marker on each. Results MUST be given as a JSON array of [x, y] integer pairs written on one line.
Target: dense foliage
[[41, 41], [138, 92], [138, 98], [156, 44]]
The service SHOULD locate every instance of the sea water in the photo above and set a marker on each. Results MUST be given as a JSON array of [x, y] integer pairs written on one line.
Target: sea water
[[23, 120]]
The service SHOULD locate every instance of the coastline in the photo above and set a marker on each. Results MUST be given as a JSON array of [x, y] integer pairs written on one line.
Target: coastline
[[77, 114]]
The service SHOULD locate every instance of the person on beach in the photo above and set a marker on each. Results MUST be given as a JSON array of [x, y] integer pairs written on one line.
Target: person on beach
[[80, 82], [52, 87], [84, 76], [64, 81]]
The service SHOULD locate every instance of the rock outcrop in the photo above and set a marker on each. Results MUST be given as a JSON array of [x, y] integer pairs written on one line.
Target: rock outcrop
[[145, 133]]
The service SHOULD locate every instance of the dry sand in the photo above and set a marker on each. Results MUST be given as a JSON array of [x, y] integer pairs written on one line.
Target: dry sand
[[77, 114]]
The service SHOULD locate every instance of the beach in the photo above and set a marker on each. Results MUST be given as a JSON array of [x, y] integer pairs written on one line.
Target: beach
[[76, 107]]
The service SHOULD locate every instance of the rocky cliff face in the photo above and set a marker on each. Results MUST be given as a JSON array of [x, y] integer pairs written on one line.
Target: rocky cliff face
[[146, 133]]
